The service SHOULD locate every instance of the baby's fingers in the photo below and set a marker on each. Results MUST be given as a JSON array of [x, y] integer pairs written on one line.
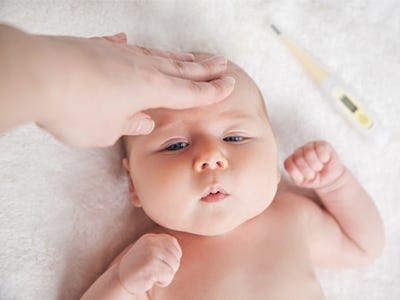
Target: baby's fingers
[[293, 171], [168, 260], [300, 160], [312, 156], [314, 165], [166, 271], [323, 150], [172, 252], [306, 162]]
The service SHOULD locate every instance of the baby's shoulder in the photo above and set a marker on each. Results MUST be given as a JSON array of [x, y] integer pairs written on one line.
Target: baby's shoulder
[[290, 198], [293, 205]]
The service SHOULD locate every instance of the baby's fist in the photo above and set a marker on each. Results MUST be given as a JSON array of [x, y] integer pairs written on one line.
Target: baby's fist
[[152, 260], [314, 165]]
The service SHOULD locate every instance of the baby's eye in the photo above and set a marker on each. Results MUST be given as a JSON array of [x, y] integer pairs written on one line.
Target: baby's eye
[[234, 138], [176, 146]]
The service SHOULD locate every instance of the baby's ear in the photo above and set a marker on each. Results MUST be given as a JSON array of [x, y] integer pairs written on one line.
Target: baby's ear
[[132, 192], [125, 163]]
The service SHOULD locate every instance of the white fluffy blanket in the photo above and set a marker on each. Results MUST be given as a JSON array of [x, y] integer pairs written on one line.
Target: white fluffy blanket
[[64, 213]]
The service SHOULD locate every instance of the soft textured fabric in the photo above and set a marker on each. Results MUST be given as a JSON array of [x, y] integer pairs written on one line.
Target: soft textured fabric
[[64, 213]]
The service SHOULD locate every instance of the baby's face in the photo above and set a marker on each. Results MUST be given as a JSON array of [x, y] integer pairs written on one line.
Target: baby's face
[[206, 170]]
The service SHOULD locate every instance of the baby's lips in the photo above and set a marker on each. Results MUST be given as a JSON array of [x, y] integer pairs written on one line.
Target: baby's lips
[[214, 189]]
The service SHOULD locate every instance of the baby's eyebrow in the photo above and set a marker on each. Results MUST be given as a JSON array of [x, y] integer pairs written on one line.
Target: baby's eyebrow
[[169, 125], [234, 115]]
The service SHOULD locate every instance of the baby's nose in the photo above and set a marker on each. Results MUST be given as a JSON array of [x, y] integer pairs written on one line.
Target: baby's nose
[[212, 159]]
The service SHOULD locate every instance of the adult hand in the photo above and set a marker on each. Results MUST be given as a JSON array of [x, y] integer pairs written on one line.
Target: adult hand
[[89, 91]]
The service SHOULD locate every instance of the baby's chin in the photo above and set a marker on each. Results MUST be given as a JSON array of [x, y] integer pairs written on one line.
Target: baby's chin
[[215, 228], [210, 232]]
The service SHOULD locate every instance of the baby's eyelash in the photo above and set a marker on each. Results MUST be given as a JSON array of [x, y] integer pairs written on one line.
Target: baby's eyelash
[[182, 145], [234, 138], [176, 146]]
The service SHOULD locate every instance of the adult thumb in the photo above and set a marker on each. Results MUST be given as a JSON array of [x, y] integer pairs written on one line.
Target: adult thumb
[[139, 123]]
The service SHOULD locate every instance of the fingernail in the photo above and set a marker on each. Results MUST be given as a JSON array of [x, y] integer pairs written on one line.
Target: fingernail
[[229, 81], [187, 56], [146, 125], [120, 36], [216, 60]]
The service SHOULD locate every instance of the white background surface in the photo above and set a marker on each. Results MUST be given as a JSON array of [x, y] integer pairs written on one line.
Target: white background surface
[[64, 213]]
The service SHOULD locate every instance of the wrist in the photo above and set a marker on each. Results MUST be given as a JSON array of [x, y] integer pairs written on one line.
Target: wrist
[[121, 282], [336, 184]]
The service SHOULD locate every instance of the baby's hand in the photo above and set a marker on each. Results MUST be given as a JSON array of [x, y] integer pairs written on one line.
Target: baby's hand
[[314, 165], [152, 260]]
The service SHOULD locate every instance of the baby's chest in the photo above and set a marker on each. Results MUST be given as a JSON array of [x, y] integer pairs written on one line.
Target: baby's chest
[[246, 267]]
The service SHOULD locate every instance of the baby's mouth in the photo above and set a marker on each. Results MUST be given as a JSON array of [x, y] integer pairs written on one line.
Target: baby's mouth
[[214, 194]]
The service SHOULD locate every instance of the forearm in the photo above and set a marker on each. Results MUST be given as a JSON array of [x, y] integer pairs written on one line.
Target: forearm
[[107, 286], [352, 207], [20, 87]]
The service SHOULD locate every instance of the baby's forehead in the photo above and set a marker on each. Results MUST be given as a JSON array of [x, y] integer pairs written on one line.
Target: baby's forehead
[[244, 83], [246, 100], [232, 68]]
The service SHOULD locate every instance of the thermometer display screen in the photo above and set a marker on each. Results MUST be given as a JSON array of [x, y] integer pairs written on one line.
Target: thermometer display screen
[[348, 103]]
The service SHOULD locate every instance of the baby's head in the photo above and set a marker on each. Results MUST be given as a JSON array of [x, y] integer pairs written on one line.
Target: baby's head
[[206, 170]]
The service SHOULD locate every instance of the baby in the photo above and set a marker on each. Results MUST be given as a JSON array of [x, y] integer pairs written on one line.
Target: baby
[[208, 177]]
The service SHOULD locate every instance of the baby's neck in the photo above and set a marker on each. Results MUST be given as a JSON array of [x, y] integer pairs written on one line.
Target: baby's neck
[[181, 235]]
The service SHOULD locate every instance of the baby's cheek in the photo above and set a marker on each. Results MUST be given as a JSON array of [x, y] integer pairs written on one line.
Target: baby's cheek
[[266, 176], [163, 190], [159, 203], [259, 178]]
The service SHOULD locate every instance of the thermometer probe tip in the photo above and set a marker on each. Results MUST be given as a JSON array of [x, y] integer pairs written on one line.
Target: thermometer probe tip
[[275, 29]]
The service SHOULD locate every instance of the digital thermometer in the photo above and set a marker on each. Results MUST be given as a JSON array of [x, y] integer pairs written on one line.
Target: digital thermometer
[[344, 100]]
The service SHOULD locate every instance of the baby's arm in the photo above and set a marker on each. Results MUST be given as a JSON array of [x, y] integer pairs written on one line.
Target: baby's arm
[[347, 230], [152, 260]]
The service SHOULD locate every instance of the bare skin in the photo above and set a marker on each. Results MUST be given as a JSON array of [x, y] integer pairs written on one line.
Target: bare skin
[[251, 262], [225, 232], [87, 92]]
